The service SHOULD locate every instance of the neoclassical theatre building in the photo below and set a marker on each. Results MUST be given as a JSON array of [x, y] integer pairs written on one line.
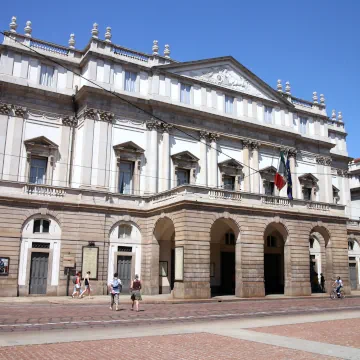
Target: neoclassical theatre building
[[167, 171]]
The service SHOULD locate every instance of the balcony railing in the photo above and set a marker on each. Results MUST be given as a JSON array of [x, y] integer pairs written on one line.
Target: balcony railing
[[354, 223], [43, 45], [188, 193], [130, 54], [275, 200], [44, 190]]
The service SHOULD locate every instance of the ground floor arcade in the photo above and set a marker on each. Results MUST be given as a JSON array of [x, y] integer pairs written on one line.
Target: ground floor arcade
[[191, 252]]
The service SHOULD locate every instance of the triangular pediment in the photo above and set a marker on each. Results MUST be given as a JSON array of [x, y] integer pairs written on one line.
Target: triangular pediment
[[40, 141], [129, 146], [228, 73], [185, 156], [231, 163], [335, 189], [308, 177], [271, 170]]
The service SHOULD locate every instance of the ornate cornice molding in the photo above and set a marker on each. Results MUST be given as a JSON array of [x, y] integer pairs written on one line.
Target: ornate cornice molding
[[213, 137], [255, 145], [14, 110], [323, 160], [98, 114], [246, 144], [69, 121]]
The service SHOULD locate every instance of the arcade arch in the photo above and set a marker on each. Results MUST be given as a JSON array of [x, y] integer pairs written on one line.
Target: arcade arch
[[224, 238], [354, 262], [164, 233]]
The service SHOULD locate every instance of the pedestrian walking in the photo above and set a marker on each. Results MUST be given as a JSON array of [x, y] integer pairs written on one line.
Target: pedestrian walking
[[322, 281], [87, 285], [115, 287], [77, 285], [135, 293]]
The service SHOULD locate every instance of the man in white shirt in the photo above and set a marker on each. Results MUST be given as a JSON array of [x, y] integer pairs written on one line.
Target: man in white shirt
[[338, 284]]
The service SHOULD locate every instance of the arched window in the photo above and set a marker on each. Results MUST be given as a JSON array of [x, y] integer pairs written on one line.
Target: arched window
[[351, 245], [271, 241], [124, 231], [230, 238], [41, 226]]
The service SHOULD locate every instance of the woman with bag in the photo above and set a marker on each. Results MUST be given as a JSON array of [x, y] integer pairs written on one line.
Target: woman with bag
[[135, 293], [77, 286], [87, 285]]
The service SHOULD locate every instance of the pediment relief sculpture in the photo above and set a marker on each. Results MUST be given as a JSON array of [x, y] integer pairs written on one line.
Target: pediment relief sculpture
[[225, 76]]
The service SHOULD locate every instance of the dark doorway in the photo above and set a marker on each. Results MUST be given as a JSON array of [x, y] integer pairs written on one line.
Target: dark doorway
[[274, 279], [124, 272], [172, 275], [38, 273], [353, 276], [227, 273]]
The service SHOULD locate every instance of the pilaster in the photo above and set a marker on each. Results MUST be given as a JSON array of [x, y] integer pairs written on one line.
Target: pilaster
[[213, 171], [152, 156], [246, 153], [294, 177], [255, 186], [203, 178]]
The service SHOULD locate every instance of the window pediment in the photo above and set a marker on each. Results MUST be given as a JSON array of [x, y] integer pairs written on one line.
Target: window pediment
[[40, 142], [185, 157], [230, 167], [269, 170], [129, 147], [308, 179]]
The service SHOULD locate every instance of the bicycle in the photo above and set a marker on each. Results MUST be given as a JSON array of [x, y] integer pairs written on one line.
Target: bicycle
[[334, 295]]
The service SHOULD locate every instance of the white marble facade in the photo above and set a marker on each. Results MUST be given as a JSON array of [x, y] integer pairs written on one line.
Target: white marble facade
[[208, 123]]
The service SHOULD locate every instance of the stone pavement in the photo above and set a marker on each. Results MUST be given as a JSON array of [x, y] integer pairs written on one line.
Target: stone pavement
[[80, 314], [229, 339]]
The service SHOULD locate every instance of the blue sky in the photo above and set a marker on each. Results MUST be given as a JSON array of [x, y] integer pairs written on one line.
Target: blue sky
[[312, 44]]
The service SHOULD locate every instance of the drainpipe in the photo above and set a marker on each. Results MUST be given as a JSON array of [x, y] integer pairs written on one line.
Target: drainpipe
[[75, 110]]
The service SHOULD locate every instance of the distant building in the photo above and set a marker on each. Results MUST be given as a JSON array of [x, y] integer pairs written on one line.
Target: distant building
[[172, 180]]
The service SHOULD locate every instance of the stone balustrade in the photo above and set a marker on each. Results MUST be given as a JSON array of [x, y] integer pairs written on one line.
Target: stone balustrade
[[119, 50], [275, 201], [354, 224], [187, 193], [44, 45], [44, 190]]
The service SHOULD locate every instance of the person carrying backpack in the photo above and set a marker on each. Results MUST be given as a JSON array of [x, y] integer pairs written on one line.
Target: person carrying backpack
[[115, 287]]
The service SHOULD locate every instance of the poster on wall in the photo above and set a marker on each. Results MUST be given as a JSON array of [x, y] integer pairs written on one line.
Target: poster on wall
[[4, 266], [179, 264], [90, 261]]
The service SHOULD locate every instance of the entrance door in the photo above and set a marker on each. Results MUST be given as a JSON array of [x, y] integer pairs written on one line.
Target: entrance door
[[273, 275], [227, 273], [353, 276], [38, 273], [124, 272]]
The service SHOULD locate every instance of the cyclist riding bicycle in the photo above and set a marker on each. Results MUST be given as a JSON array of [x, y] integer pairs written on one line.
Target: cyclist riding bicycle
[[338, 284]]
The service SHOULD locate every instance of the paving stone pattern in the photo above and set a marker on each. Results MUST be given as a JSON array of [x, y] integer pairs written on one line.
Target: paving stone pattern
[[176, 347], [47, 317], [340, 332]]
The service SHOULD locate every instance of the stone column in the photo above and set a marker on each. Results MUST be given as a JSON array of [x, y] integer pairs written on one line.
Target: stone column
[[213, 173], [165, 171], [246, 145], [320, 162], [203, 159], [328, 180], [152, 157], [14, 145], [5, 110], [294, 177], [255, 167]]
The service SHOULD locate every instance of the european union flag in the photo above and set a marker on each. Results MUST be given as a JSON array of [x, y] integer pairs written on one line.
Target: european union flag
[[289, 181]]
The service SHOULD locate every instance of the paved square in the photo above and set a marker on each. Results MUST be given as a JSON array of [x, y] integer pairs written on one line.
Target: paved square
[[176, 347], [343, 332]]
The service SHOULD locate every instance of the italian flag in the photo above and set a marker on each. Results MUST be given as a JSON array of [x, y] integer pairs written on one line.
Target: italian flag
[[280, 176]]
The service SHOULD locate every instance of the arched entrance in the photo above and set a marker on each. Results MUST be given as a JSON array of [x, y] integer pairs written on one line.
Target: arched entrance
[[315, 264], [164, 233], [320, 259], [354, 260], [224, 235], [39, 263], [274, 265]]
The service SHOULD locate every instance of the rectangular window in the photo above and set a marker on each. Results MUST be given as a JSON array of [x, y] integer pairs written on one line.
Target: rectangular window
[[271, 241], [303, 125], [268, 114], [185, 93], [229, 104], [307, 194], [130, 81], [126, 176], [38, 171], [229, 182], [47, 75], [270, 188], [182, 176]]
